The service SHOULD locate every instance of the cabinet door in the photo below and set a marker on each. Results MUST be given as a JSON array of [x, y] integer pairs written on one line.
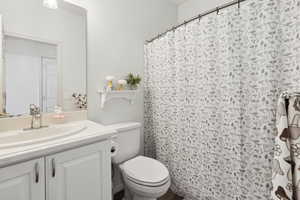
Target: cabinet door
[[80, 174], [25, 181]]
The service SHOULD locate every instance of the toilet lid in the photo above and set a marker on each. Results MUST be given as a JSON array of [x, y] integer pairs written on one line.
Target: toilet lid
[[146, 170]]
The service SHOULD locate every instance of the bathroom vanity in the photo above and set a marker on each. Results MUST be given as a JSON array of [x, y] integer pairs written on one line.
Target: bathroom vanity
[[46, 152], [75, 166], [50, 156]]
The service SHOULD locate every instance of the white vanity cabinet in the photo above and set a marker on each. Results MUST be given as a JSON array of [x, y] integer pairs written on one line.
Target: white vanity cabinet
[[79, 174], [25, 181]]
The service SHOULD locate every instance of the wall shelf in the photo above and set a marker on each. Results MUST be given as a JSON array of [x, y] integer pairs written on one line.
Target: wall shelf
[[128, 95]]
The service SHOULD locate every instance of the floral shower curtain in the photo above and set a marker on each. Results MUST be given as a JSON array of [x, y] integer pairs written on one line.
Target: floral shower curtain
[[211, 89]]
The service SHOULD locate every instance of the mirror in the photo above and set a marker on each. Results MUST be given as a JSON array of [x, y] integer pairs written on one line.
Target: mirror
[[42, 60]]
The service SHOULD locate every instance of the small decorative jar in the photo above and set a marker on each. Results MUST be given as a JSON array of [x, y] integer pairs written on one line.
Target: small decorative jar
[[122, 84]]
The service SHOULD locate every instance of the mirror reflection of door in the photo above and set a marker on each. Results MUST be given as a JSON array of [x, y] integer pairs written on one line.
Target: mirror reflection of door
[[31, 75], [49, 84]]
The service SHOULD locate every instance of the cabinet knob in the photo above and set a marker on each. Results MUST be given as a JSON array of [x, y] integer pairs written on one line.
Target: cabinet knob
[[37, 172], [53, 167]]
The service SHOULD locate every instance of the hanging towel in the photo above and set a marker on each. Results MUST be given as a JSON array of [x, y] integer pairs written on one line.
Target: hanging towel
[[286, 163]]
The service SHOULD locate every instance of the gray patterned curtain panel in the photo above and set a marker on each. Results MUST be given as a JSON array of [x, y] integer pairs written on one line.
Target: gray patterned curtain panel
[[211, 92], [286, 164]]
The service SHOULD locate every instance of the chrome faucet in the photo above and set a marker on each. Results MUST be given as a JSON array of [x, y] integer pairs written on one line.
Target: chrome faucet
[[36, 120]]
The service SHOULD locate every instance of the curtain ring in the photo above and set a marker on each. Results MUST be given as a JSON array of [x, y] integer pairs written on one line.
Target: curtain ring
[[218, 10], [239, 4], [199, 17]]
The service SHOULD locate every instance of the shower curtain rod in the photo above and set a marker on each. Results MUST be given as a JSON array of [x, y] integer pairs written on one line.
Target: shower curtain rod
[[217, 9]]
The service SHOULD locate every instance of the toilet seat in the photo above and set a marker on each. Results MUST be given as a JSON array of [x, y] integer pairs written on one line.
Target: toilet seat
[[146, 171]]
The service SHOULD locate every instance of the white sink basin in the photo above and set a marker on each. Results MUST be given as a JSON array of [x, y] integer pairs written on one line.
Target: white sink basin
[[28, 137]]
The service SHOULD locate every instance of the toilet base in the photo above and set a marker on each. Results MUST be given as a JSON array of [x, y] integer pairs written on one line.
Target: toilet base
[[136, 197], [129, 196], [139, 198]]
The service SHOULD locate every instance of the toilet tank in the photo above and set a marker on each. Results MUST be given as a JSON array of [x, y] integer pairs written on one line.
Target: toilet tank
[[128, 140]]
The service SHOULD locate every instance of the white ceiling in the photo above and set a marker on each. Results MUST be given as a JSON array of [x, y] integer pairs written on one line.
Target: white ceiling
[[177, 1]]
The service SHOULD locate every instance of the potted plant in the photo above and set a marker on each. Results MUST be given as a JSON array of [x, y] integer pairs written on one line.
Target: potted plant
[[133, 81]]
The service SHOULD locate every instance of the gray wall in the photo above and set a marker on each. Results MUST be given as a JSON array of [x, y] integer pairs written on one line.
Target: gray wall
[[192, 8], [117, 30]]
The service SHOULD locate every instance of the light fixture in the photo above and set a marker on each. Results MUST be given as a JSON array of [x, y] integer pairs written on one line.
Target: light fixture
[[52, 4]]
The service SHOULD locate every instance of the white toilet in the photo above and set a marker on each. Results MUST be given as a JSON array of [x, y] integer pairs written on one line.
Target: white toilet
[[144, 178]]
